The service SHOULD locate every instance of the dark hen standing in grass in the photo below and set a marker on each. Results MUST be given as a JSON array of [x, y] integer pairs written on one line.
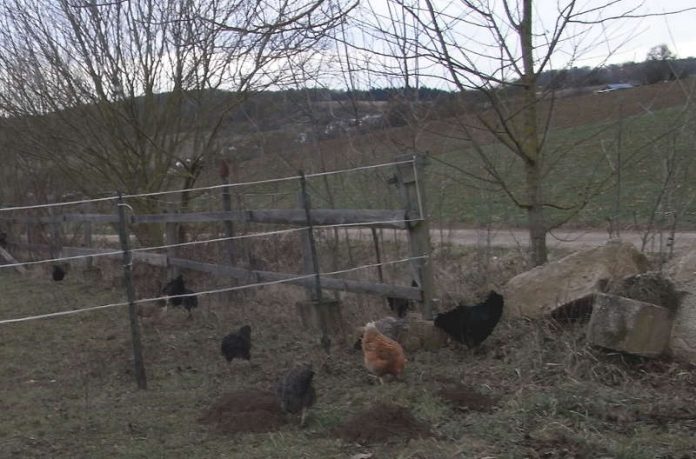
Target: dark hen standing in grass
[[295, 391], [400, 306], [471, 325], [237, 344], [175, 288], [58, 273]]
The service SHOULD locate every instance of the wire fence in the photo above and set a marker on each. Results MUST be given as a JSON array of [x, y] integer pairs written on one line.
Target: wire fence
[[205, 188], [207, 292], [310, 227], [200, 242]]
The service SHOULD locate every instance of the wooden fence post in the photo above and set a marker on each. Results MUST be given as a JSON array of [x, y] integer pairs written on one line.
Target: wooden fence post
[[171, 236], [310, 261], [87, 235], [54, 244], [140, 377], [378, 254], [410, 179], [224, 172], [30, 239]]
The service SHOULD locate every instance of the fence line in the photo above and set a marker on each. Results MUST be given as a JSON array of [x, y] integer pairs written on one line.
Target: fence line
[[57, 204], [206, 292], [60, 259], [207, 241], [294, 217], [212, 187]]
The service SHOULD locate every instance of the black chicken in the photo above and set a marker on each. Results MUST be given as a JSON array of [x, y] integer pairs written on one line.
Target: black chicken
[[471, 325], [176, 287], [237, 344], [400, 305], [295, 391], [58, 273]]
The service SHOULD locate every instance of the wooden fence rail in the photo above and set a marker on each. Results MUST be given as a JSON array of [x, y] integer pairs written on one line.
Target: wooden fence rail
[[251, 276], [377, 218]]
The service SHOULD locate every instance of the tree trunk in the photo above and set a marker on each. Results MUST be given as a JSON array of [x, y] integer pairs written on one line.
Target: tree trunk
[[535, 217], [531, 147]]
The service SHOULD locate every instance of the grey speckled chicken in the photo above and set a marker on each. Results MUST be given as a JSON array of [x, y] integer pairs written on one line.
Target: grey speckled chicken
[[391, 327], [295, 391]]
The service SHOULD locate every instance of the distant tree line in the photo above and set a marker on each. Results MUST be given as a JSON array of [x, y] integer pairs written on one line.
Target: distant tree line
[[660, 65], [271, 108]]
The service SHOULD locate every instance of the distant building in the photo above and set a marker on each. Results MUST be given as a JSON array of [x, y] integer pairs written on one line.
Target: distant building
[[611, 87]]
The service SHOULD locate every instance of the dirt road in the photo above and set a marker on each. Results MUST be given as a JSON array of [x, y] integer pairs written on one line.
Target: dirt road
[[509, 238], [562, 239]]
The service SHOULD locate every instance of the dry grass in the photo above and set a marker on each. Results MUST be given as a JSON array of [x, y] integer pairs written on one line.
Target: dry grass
[[533, 389]]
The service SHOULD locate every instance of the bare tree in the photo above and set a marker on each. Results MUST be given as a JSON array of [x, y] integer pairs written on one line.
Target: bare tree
[[659, 64], [498, 50], [135, 95]]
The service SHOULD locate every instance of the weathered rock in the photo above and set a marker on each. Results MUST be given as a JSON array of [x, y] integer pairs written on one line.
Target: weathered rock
[[682, 343], [627, 325], [544, 289], [682, 271]]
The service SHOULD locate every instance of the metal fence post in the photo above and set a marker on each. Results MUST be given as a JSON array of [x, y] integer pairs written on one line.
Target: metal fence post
[[311, 264], [130, 292]]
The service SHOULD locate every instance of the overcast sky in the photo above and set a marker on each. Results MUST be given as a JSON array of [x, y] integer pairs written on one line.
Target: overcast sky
[[677, 31], [602, 32]]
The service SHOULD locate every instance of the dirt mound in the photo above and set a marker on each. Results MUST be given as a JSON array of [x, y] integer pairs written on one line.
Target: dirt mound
[[381, 423], [468, 399], [245, 411]]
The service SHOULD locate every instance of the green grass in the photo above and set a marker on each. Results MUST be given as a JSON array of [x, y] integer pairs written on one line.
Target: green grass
[[580, 157], [580, 162]]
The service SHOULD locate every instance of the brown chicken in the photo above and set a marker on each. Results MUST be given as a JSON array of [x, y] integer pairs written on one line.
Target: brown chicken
[[382, 355]]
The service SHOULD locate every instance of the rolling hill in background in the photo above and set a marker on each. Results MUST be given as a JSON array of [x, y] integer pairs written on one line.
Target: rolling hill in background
[[588, 133]]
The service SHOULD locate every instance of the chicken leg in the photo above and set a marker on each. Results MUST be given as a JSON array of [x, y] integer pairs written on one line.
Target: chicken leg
[[303, 417]]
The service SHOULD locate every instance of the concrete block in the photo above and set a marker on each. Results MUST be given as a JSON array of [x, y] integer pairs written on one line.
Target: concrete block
[[631, 326]]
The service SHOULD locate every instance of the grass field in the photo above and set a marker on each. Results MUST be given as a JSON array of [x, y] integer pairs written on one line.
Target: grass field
[[651, 129], [533, 389]]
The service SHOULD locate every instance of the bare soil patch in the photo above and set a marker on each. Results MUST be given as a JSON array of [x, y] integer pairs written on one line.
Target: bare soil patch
[[245, 411], [380, 424], [466, 398], [557, 446]]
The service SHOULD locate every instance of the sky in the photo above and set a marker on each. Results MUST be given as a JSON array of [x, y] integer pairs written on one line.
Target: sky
[[602, 34], [678, 31]]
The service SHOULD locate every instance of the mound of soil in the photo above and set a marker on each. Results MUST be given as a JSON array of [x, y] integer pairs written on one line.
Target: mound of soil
[[381, 423], [468, 399], [245, 411]]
